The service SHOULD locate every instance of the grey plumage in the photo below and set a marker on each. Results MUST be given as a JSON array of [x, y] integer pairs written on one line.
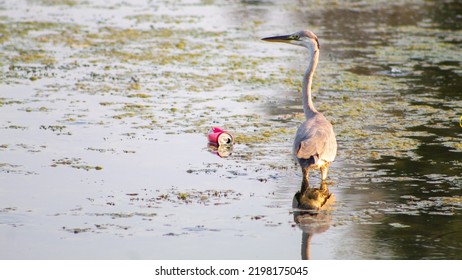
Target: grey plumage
[[315, 145]]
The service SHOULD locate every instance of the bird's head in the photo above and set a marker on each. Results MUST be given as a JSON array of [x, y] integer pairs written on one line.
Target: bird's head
[[304, 38]]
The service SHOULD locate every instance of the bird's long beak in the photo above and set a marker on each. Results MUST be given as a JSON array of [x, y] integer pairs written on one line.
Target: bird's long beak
[[280, 39]]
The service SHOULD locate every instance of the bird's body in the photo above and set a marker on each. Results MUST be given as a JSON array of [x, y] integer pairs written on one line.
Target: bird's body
[[315, 145]]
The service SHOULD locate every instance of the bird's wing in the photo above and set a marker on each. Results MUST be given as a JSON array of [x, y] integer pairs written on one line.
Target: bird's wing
[[316, 141], [312, 145]]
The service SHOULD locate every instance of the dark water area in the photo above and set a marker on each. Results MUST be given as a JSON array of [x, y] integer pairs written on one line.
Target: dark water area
[[105, 107]]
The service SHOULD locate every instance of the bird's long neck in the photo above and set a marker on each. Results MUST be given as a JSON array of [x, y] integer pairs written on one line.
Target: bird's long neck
[[308, 106]]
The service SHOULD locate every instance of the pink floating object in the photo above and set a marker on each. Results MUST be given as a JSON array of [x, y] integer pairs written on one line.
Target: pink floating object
[[220, 137]]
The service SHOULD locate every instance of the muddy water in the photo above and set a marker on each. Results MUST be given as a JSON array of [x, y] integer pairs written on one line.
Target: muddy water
[[105, 108]]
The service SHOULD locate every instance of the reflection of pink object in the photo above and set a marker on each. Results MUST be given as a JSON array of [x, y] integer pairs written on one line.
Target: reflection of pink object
[[220, 137], [222, 151]]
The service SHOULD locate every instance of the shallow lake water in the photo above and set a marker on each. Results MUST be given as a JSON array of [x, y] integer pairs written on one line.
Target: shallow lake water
[[105, 107]]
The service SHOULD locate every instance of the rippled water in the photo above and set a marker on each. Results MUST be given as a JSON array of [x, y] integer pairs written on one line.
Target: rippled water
[[105, 107]]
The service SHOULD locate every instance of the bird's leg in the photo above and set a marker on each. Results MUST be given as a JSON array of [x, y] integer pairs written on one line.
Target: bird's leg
[[323, 186], [305, 184], [324, 170]]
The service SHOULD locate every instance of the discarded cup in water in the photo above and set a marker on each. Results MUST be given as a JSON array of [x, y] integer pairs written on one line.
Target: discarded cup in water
[[220, 137]]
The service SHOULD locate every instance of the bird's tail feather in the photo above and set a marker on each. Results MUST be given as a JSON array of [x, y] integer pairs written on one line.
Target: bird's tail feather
[[313, 159], [310, 161]]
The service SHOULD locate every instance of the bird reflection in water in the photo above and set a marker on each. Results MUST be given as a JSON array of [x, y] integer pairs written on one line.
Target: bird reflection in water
[[312, 213]]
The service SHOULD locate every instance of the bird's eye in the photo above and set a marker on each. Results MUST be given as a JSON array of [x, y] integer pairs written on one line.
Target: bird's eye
[[295, 37]]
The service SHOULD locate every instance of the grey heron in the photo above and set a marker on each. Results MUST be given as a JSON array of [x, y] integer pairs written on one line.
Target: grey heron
[[315, 145]]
